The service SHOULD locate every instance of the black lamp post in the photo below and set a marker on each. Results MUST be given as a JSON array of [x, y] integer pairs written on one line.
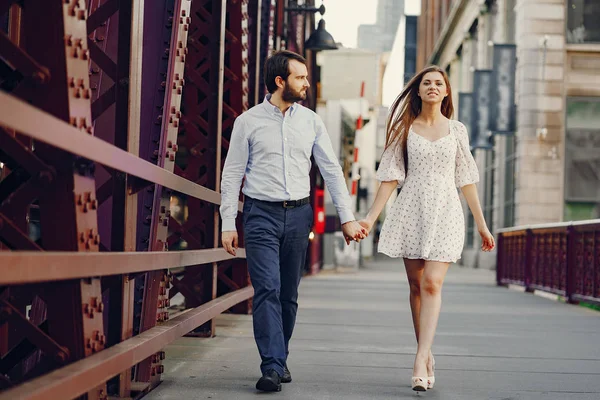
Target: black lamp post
[[319, 39]]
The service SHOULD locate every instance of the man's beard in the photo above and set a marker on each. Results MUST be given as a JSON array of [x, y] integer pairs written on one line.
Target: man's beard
[[289, 95]]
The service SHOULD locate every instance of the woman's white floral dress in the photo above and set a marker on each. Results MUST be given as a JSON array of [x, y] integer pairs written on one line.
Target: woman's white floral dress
[[426, 221]]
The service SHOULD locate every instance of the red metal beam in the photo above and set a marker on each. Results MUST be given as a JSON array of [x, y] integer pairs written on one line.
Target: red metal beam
[[22, 61], [77, 378], [51, 130], [26, 267]]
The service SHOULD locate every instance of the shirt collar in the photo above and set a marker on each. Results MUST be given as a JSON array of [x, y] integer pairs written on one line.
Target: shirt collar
[[270, 108]]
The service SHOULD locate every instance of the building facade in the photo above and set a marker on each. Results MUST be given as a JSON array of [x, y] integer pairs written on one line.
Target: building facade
[[380, 36], [349, 88], [547, 169]]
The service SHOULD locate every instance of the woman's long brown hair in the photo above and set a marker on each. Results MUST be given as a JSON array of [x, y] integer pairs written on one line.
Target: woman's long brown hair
[[407, 107]]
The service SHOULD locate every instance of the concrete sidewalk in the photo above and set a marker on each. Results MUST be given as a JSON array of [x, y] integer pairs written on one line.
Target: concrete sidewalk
[[354, 340]]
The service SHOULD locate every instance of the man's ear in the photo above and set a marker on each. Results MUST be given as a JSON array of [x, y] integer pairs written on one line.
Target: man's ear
[[279, 81]]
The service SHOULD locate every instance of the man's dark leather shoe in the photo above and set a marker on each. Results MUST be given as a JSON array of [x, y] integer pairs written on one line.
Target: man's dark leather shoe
[[270, 382], [287, 376]]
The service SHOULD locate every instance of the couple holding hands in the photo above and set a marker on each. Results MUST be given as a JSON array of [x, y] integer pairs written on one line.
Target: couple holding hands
[[427, 154]]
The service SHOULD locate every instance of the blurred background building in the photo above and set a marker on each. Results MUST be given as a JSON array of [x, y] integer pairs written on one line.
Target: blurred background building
[[539, 162], [380, 36]]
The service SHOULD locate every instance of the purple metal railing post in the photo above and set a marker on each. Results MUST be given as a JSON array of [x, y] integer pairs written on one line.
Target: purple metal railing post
[[571, 241], [501, 259], [529, 259]]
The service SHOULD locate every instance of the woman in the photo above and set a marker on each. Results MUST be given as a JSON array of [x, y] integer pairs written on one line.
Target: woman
[[428, 155]]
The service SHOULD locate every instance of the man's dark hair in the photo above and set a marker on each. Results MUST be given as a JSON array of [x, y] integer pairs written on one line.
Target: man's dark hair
[[278, 65]]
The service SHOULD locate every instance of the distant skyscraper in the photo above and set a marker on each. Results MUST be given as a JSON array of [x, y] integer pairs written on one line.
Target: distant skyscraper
[[380, 37], [369, 37]]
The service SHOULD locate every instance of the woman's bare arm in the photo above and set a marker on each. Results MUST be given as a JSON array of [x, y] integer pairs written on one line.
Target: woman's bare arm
[[383, 195], [470, 193]]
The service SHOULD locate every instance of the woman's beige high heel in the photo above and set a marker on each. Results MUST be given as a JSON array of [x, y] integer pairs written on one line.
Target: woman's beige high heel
[[431, 379], [419, 384]]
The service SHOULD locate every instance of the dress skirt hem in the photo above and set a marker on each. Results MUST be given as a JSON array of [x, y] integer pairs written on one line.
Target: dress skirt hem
[[415, 257]]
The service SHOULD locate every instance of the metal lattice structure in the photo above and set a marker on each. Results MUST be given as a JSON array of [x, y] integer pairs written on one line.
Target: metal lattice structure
[[562, 258], [115, 123], [116, 120]]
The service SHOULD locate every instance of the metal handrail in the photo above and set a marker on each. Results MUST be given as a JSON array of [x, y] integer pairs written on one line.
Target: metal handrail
[[51, 130], [561, 258], [24, 267], [549, 225], [77, 378]]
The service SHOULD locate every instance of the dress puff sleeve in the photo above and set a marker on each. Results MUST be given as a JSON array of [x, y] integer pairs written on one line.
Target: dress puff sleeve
[[466, 171], [391, 166]]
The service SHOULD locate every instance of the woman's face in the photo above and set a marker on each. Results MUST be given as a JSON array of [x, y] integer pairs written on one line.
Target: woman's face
[[433, 88]]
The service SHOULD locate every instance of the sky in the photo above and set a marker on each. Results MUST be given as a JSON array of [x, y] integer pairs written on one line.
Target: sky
[[342, 17]]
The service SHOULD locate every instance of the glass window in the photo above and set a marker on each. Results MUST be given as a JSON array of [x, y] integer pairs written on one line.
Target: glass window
[[510, 21], [509, 183], [582, 159], [582, 21], [470, 230], [488, 199], [411, 31]]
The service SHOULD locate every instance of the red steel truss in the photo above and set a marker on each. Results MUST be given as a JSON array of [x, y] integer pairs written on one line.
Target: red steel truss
[[116, 118]]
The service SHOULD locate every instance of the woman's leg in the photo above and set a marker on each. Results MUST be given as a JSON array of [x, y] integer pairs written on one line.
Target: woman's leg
[[432, 280], [414, 272]]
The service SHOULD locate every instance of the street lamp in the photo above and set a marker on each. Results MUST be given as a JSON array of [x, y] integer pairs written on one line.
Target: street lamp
[[319, 39]]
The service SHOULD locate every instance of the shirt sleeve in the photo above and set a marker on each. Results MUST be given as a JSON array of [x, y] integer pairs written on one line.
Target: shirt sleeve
[[391, 166], [466, 171], [331, 171], [233, 173]]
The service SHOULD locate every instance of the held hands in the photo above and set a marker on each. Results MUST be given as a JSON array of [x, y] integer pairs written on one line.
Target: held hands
[[487, 240], [365, 223], [354, 231], [230, 241]]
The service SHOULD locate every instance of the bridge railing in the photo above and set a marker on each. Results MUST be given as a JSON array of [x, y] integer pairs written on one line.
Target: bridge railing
[[562, 258], [48, 271], [89, 258]]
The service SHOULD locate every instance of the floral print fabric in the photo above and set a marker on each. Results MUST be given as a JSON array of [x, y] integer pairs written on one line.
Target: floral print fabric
[[427, 221]]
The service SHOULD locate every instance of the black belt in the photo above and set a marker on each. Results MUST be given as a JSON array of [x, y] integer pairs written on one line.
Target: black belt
[[288, 203]]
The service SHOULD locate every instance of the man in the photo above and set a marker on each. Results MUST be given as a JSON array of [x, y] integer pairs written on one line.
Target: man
[[271, 146]]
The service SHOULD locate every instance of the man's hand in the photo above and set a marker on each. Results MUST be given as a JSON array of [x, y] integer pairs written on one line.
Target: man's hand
[[353, 231], [230, 241]]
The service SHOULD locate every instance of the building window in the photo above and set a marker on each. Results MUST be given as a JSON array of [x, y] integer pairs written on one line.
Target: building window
[[582, 159], [582, 21], [511, 19], [488, 181], [470, 231], [509, 183]]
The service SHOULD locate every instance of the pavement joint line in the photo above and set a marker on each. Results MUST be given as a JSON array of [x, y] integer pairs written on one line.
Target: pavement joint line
[[297, 364], [412, 354]]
